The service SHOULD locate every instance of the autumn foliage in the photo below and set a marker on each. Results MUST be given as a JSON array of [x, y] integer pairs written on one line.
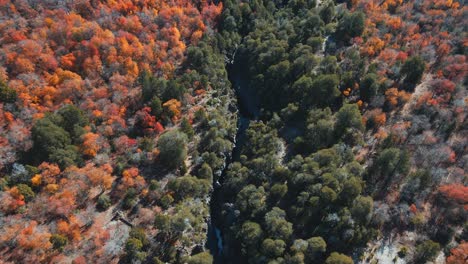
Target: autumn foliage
[[88, 54], [459, 254], [455, 192]]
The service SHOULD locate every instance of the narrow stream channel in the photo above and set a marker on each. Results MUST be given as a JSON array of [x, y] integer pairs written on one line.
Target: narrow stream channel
[[247, 104]]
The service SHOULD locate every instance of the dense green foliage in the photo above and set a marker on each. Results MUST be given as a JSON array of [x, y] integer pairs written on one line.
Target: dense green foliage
[[336, 258], [172, 145], [316, 199], [350, 26], [427, 251], [26, 191], [368, 87], [103, 202], [413, 70], [57, 135], [7, 95], [201, 258], [58, 241], [302, 207]]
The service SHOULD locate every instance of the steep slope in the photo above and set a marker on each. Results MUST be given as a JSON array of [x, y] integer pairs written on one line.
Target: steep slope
[[376, 129], [107, 109]]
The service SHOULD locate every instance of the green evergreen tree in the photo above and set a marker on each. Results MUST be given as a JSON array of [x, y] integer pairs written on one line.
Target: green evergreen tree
[[413, 70], [173, 148], [337, 258]]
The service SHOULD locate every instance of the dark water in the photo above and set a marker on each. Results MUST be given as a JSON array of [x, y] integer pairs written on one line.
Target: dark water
[[247, 104]]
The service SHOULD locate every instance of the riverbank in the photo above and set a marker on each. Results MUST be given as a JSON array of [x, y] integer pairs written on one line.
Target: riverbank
[[247, 110]]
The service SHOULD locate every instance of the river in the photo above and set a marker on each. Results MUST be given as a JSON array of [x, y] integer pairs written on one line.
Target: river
[[247, 104]]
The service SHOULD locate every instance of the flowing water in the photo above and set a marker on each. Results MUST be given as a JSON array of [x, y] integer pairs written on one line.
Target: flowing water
[[247, 104]]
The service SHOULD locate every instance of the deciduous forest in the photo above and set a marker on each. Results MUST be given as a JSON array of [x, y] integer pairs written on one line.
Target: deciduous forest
[[233, 131]]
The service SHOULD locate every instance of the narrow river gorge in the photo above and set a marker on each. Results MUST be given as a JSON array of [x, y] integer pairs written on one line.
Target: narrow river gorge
[[247, 105]]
